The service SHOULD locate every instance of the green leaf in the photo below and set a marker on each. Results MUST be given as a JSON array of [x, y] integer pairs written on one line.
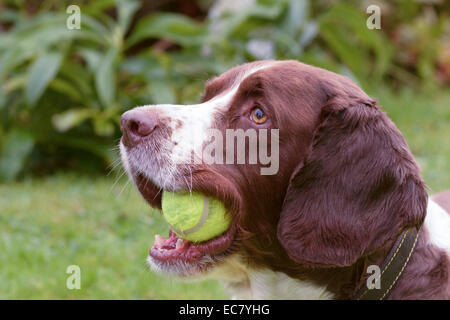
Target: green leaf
[[42, 71], [98, 146], [297, 14], [93, 8], [92, 57], [12, 58], [14, 83], [2, 99], [345, 49], [239, 24], [105, 78], [70, 118], [79, 76], [101, 32], [9, 15], [162, 92], [343, 28], [174, 27], [45, 30], [17, 146], [310, 31], [126, 10], [103, 126], [66, 88]]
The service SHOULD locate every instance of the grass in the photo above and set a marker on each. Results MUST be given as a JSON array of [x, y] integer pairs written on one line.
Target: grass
[[48, 224], [424, 121]]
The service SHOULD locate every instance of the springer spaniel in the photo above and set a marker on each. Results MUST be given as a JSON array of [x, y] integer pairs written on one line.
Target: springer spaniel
[[340, 186]]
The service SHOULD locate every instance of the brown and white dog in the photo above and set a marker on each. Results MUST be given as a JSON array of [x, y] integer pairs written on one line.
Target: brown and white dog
[[346, 185]]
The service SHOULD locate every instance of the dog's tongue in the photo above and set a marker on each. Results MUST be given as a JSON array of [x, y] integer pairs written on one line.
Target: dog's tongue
[[175, 248], [173, 242]]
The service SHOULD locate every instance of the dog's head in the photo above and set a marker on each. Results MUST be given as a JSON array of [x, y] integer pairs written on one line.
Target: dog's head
[[310, 170]]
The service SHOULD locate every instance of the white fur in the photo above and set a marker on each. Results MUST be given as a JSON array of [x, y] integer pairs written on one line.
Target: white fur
[[437, 223], [269, 285], [244, 282], [124, 158]]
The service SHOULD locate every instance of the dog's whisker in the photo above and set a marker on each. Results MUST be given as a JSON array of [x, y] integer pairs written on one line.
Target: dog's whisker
[[160, 189], [187, 185], [116, 181], [114, 167], [190, 172], [123, 188]]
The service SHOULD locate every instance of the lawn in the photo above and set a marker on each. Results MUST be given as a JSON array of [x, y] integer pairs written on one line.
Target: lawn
[[106, 228], [48, 224], [424, 121]]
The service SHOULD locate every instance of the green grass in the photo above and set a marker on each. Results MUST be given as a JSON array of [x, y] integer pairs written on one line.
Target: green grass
[[424, 120], [49, 224]]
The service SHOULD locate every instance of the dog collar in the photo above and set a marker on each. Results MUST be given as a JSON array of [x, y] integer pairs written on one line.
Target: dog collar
[[392, 267]]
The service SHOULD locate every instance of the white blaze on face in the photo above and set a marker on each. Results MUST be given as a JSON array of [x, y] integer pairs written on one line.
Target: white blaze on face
[[190, 126]]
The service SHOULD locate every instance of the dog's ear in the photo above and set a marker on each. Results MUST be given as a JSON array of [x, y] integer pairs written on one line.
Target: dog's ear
[[358, 188]]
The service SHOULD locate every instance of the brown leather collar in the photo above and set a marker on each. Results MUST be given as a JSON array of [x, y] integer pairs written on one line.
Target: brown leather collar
[[392, 267]]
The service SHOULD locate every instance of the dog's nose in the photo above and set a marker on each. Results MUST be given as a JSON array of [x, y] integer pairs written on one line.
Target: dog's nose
[[136, 125]]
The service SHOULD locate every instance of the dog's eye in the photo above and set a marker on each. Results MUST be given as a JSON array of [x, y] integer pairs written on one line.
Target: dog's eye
[[258, 116]]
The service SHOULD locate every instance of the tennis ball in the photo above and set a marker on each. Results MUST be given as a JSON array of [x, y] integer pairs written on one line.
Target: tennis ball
[[193, 216]]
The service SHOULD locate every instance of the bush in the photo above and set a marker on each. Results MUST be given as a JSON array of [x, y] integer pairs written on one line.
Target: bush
[[62, 91]]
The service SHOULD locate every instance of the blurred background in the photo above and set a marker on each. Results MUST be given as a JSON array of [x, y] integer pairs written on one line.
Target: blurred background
[[63, 197]]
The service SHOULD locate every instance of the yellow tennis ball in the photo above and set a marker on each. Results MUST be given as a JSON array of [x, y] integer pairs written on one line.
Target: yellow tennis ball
[[193, 216]]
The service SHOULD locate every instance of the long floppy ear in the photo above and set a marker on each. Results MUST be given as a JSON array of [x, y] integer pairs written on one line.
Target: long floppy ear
[[358, 188]]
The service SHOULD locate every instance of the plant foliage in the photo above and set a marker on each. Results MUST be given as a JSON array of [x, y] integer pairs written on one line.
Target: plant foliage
[[62, 91]]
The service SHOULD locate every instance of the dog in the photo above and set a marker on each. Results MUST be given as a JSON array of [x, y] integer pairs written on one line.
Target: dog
[[344, 189]]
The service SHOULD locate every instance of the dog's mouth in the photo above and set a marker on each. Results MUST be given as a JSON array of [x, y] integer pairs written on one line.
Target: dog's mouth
[[175, 249], [172, 252]]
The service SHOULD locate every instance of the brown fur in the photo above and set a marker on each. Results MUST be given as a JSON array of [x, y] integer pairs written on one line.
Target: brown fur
[[347, 185]]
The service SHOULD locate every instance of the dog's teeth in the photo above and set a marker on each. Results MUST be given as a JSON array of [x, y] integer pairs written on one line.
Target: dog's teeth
[[179, 243], [159, 241]]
